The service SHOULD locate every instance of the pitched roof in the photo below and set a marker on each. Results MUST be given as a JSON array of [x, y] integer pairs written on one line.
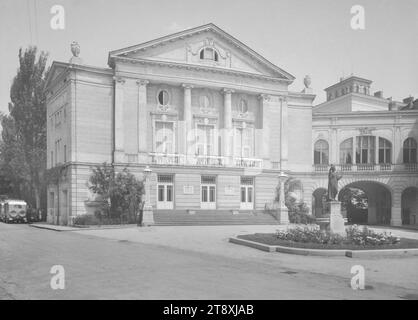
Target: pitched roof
[[196, 30]]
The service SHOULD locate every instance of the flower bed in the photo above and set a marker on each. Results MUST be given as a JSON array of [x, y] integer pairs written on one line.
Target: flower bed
[[313, 238]]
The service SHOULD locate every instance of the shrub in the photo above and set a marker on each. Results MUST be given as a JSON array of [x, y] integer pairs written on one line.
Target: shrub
[[354, 235]]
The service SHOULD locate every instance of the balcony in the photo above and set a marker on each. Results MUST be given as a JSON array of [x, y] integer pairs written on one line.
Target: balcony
[[369, 167], [202, 160]]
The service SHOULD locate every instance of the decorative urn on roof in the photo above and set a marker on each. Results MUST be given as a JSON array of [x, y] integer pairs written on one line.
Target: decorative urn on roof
[[75, 50], [307, 82]]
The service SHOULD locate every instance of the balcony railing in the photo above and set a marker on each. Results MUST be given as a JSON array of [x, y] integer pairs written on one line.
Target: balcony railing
[[202, 160], [368, 167]]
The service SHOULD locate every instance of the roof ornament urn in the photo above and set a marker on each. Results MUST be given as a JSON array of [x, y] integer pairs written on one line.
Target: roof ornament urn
[[307, 81], [75, 50]]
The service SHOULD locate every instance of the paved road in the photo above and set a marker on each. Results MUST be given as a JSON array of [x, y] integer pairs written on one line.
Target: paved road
[[100, 268]]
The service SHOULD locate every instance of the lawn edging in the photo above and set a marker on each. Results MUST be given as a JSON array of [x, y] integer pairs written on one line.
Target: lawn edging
[[327, 252]]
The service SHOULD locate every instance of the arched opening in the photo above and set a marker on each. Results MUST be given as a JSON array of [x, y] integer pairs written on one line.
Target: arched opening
[[366, 202], [319, 198], [321, 152], [409, 206], [354, 204]]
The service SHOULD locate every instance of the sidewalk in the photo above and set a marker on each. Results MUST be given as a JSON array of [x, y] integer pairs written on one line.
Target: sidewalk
[[44, 225]]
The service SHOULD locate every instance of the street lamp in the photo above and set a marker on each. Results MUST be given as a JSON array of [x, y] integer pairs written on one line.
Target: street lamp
[[148, 215], [283, 212]]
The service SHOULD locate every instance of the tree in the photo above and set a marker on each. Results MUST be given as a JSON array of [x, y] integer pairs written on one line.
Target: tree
[[298, 210], [23, 148], [119, 194]]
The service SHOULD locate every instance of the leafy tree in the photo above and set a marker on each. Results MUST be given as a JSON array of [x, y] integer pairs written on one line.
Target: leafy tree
[[353, 198], [23, 149], [119, 194], [298, 210]]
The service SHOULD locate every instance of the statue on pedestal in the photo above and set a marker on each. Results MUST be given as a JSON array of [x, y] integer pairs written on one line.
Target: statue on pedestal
[[333, 178]]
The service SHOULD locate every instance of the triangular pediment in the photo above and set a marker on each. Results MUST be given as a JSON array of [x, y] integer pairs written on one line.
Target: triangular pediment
[[185, 48]]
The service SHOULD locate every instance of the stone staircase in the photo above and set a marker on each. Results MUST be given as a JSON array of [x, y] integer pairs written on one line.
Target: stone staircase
[[212, 217]]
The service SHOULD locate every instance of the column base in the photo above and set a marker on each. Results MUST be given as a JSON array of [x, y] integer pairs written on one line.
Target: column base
[[283, 215], [148, 217], [336, 220]]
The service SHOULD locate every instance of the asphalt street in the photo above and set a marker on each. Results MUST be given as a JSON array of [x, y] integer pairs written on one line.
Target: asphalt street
[[100, 268]]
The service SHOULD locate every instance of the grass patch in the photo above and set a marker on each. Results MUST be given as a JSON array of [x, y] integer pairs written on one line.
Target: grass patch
[[272, 240]]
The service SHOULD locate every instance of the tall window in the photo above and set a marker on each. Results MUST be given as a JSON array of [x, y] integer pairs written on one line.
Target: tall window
[[321, 152], [164, 137], [385, 151], [346, 151], [410, 151], [209, 54], [365, 149], [244, 142], [205, 140]]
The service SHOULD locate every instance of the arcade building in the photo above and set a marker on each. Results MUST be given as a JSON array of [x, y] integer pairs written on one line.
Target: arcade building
[[216, 124]]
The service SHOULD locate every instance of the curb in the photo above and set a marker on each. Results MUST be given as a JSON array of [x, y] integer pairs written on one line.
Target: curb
[[80, 228], [327, 252]]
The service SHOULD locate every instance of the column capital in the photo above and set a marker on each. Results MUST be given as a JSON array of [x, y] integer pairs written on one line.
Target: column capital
[[119, 80], [187, 86], [227, 90], [264, 97], [142, 82], [283, 98]]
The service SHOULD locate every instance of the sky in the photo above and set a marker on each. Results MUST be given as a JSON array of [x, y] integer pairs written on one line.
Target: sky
[[302, 37]]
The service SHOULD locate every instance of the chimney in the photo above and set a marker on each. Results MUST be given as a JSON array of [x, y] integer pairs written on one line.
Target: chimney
[[378, 94]]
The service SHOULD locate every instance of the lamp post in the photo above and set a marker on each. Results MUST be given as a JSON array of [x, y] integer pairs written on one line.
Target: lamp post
[[148, 215], [283, 212]]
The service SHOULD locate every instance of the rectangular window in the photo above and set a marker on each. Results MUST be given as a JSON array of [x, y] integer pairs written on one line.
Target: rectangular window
[[212, 193], [205, 140], [164, 137], [169, 193], [243, 142], [161, 193], [65, 153]]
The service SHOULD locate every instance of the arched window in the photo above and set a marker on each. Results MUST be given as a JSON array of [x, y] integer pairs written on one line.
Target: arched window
[[385, 151], [410, 151], [209, 54], [163, 97], [321, 152], [365, 151], [346, 151]]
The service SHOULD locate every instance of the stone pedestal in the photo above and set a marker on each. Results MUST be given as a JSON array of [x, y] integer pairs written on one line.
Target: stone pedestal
[[283, 215], [148, 216], [336, 220]]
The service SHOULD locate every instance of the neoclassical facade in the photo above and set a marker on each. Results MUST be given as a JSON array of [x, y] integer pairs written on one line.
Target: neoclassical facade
[[216, 123]]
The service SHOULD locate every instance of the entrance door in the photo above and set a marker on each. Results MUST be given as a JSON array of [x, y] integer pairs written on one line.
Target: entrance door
[[208, 192], [247, 193], [165, 192]]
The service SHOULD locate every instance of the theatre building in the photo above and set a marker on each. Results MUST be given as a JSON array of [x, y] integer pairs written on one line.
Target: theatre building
[[216, 124]]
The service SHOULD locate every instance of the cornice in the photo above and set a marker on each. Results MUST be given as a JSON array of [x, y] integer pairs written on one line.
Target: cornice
[[201, 68]]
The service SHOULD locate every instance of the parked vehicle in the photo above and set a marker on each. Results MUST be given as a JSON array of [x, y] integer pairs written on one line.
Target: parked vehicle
[[13, 211]]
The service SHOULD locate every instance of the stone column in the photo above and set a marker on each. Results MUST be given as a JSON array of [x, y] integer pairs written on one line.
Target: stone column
[[264, 131], [227, 134], [119, 134], [354, 151], [142, 120], [187, 118], [283, 133], [396, 210], [376, 150]]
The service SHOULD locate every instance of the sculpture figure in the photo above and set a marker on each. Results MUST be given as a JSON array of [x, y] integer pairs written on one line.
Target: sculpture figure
[[333, 178]]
